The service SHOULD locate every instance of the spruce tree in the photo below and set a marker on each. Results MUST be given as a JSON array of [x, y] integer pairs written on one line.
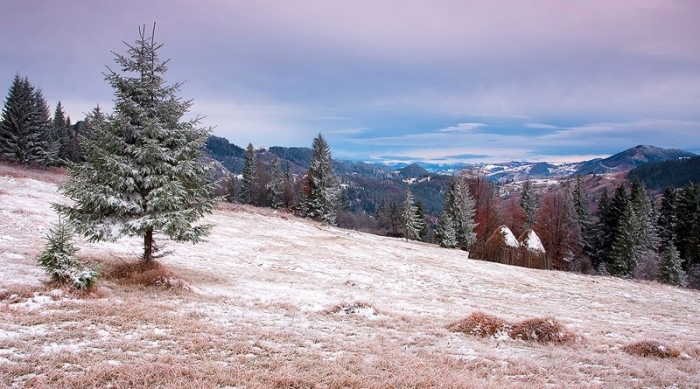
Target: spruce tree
[[646, 234], [58, 258], [275, 189], [140, 174], [445, 231], [25, 127], [249, 181], [671, 271], [668, 219], [322, 189], [409, 215], [424, 232], [530, 203], [688, 228], [63, 135], [584, 219], [624, 252], [288, 185], [460, 205]]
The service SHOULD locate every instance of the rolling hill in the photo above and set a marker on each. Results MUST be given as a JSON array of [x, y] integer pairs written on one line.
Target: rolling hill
[[271, 300]]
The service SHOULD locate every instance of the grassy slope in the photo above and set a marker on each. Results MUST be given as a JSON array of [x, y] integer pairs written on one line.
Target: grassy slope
[[255, 312]]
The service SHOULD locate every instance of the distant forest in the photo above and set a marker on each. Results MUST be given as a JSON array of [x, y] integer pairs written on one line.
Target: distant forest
[[676, 173]]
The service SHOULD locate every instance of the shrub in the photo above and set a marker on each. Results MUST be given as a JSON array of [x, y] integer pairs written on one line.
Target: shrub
[[651, 348], [543, 330], [60, 262], [479, 324], [361, 308]]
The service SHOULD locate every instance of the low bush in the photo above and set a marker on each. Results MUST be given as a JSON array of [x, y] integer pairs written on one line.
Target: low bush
[[479, 324], [143, 273], [651, 348], [542, 330]]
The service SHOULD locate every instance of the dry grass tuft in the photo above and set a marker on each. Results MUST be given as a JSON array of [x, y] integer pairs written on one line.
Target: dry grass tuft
[[479, 324], [51, 174], [542, 330], [18, 292], [143, 273], [354, 308], [651, 348]]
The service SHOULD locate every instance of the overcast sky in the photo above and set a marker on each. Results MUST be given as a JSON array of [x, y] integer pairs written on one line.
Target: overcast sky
[[394, 80]]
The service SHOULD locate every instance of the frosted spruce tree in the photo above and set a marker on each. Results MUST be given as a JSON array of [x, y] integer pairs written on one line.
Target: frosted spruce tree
[[58, 258], [320, 195], [460, 205], [140, 175], [671, 270], [249, 181], [25, 126], [275, 189], [530, 204], [412, 224], [445, 231]]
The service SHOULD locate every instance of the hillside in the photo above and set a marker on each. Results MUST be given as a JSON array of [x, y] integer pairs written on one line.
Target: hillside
[[632, 158], [677, 173], [275, 301]]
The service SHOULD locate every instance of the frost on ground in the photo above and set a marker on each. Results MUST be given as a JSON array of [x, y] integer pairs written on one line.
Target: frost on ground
[[275, 301]]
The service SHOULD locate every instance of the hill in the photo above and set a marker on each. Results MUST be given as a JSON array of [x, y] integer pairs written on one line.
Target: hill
[[677, 173], [632, 158], [275, 301]]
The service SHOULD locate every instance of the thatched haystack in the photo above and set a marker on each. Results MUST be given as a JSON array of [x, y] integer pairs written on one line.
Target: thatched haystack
[[532, 253], [502, 247]]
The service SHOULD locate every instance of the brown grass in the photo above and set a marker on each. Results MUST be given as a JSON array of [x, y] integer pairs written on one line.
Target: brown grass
[[479, 324], [541, 330], [141, 273], [51, 174], [351, 308], [651, 348]]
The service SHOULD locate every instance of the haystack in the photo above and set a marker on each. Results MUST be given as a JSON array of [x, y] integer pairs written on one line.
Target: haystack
[[532, 253], [502, 247]]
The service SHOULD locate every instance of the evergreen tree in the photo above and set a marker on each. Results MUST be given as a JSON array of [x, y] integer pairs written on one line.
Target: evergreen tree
[[667, 223], [460, 205], [624, 253], [409, 215], [25, 128], [644, 221], [530, 203], [671, 271], [445, 231], [141, 174], [424, 232], [63, 135], [60, 262], [249, 181], [584, 219], [288, 185], [275, 190], [322, 189], [688, 228]]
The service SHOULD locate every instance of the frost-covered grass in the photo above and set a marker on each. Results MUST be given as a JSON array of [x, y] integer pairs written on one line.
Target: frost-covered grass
[[275, 301]]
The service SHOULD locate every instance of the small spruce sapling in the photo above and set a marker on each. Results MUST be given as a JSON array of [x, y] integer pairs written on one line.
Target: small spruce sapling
[[60, 262]]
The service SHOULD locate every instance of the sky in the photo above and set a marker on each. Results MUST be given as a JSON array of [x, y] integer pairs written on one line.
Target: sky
[[438, 81]]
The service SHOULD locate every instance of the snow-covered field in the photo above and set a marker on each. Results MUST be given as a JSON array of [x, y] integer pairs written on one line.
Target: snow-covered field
[[275, 301]]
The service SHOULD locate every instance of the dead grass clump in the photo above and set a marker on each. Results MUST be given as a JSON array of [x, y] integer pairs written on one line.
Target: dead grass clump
[[651, 348], [542, 330], [143, 273], [18, 292], [354, 308], [50, 174], [478, 324]]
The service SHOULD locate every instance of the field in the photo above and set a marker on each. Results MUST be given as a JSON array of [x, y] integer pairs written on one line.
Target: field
[[273, 301]]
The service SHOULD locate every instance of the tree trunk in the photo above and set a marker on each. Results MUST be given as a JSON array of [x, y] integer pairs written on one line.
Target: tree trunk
[[148, 246]]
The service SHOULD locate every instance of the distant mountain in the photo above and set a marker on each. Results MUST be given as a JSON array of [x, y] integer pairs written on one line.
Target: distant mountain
[[632, 158], [413, 171]]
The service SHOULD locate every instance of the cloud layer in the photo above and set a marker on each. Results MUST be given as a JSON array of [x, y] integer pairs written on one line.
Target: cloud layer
[[468, 80]]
